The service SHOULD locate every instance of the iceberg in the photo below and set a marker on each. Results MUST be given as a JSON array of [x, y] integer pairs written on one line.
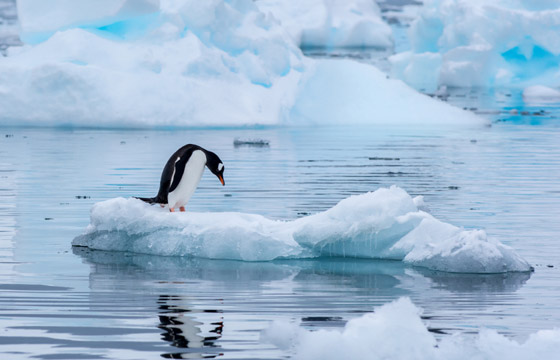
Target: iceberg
[[396, 331], [186, 63], [331, 24], [384, 224], [481, 43]]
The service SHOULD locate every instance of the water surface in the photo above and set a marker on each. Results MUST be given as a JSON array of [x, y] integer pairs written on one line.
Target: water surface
[[59, 302]]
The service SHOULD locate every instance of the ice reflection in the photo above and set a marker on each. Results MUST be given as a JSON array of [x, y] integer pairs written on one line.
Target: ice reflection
[[483, 283], [373, 275], [203, 302]]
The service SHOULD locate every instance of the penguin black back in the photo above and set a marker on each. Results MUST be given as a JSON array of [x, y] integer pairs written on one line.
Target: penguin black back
[[174, 169]]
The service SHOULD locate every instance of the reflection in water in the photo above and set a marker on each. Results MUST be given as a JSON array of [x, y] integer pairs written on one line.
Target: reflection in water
[[198, 296], [185, 329], [375, 276], [482, 283], [380, 280]]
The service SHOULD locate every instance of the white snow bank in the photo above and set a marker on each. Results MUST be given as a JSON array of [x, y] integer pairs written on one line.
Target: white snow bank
[[396, 331], [482, 43], [385, 224], [331, 24], [190, 64], [541, 94]]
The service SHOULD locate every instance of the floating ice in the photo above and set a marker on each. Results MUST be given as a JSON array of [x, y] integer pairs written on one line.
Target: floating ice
[[331, 24], [396, 331], [385, 224], [481, 43], [190, 64]]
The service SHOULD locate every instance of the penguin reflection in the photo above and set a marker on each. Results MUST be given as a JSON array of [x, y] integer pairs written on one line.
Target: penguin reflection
[[186, 329]]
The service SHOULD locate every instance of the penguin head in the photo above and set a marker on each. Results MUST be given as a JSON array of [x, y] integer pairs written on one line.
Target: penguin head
[[215, 165]]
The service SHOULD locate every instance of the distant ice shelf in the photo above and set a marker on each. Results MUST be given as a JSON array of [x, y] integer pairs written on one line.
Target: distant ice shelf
[[385, 224]]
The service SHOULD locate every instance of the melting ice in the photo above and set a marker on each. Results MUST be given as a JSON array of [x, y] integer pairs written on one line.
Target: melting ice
[[385, 224]]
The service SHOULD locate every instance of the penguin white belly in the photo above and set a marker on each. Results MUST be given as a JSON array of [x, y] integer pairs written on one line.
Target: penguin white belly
[[189, 181]]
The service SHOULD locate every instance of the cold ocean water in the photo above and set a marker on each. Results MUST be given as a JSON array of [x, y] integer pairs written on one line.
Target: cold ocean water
[[62, 301]]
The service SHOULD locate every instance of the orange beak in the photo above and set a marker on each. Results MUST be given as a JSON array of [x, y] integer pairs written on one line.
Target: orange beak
[[221, 180]]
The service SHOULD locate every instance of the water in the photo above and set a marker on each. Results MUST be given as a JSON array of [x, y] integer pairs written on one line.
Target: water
[[58, 301]]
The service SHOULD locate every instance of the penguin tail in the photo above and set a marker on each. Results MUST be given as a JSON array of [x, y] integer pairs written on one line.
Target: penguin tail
[[152, 200]]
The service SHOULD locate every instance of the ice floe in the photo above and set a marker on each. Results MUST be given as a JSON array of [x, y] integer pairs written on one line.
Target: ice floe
[[396, 331], [481, 43], [192, 64], [385, 224]]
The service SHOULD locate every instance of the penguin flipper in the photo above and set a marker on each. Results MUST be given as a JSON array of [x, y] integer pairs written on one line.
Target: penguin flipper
[[152, 200]]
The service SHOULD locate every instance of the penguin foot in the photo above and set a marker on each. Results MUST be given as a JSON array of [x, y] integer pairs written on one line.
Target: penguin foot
[[162, 205], [182, 209], [171, 209]]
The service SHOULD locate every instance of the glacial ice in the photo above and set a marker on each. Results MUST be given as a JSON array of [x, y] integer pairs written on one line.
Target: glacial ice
[[330, 24], [191, 64], [481, 43], [385, 224], [396, 331], [39, 19]]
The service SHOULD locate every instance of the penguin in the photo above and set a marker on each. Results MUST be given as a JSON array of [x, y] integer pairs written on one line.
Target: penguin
[[181, 176]]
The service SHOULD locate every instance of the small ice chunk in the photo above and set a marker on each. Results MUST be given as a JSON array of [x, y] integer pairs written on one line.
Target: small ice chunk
[[250, 142], [396, 331]]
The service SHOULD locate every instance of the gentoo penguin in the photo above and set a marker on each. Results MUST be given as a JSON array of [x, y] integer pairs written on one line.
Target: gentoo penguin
[[182, 173]]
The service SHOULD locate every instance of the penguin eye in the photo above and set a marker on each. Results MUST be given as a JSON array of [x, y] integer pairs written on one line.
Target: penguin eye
[[220, 166]]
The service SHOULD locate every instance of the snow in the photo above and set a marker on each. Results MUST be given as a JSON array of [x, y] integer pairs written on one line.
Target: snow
[[331, 24], [385, 224], [192, 64], [396, 331], [481, 43]]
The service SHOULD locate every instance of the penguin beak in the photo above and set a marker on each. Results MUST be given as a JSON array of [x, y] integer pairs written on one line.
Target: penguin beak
[[221, 179]]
